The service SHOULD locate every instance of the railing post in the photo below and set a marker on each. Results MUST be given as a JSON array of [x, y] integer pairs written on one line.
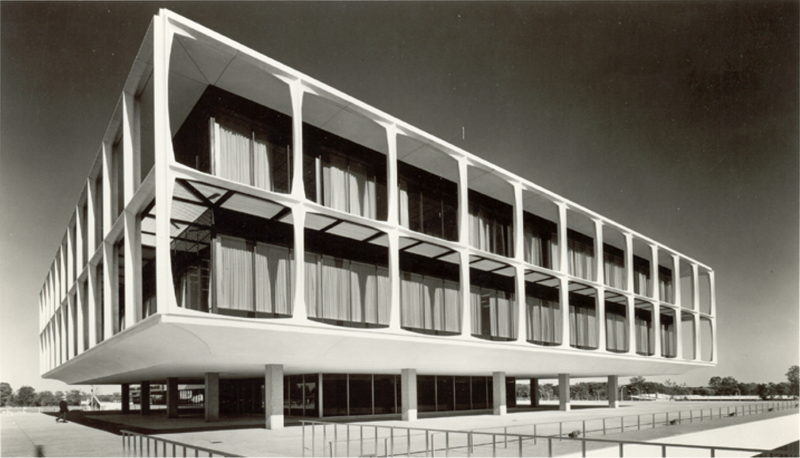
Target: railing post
[[663, 450], [622, 423], [408, 441], [559, 430], [313, 439], [376, 441], [713, 452], [360, 440], [680, 416], [583, 428], [583, 446], [691, 416], [701, 414], [330, 449], [347, 436], [519, 446], [391, 439], [604, 426], [470, 450], [494, 445], [549, 446], [336, 439], [324, 436], [505, 437], [427, 443], [654, 421], [385, 446], [666, 421], [447, 443], [638, 422], [302, 439], [621, 450], [534, 435]]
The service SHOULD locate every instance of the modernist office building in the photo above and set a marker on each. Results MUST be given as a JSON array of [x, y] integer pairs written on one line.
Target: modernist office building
[[292, 250]]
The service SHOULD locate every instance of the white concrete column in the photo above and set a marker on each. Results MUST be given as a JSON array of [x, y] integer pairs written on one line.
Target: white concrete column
[[463, 201], [676, 280], [601, 318], [656, 329], [466, 305], [695, 289], [713, 293], [563, 392], [629, 262], [562, 238], [131, 161], [211, 396], [391, 175], [163, 157], [630, 303], [522, 307], [698, 344], [109, 289], [79, 315], [655, 293], [296, 93], [108, 196], [90, 217], [79, 242], [70, 252], [394, 281], [678, 333], [598, 252], [172, 397], [519, 224], [91, 304], [612, 390], [408, 394], [563, 298], [498, 393], [133, 268], [534, 392], [70, 323], [273, 396], [299, 312]]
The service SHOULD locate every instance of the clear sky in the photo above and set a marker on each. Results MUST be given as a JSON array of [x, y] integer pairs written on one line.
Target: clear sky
[[679, 120]]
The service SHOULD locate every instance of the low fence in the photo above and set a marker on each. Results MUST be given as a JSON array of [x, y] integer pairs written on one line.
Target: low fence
[[624, 423], [135, 444], [320, 438]]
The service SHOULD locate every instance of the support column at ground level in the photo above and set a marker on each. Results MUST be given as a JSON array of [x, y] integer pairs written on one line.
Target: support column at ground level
[[498, 393], [534, 395], [211, 396], [126, 398], [408, 394], [563, 392], [144, 397], [273, 396], [172, 398], [612, 389]]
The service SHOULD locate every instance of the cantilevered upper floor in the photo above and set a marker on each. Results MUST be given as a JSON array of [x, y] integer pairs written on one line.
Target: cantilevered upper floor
[[230, 186]]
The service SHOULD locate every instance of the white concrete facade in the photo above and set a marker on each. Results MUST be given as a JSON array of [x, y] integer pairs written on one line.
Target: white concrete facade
[[80, 293]]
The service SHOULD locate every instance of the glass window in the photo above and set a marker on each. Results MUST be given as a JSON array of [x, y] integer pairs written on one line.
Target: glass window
[[480, 396], [426, 393], [334, 394], [462, 390], [384, 394], [360, 394], [444, 393]]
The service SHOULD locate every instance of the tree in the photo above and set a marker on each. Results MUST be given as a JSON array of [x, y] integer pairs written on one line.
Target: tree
[[59, 395], [793, 375], [6, 394], [26, 396], [74, 397], [46, 398]]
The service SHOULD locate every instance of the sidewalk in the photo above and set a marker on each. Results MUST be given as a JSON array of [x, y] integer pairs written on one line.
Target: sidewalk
[[21, 433]]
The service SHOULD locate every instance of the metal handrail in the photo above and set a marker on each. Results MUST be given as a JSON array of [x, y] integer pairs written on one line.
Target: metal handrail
[[722, 411], [390, 436], [130, 447]]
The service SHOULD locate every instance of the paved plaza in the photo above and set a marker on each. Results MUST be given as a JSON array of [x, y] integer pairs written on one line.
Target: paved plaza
[[23, 432]]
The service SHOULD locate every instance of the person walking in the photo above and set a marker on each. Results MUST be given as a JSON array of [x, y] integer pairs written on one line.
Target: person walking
[[63, 410]]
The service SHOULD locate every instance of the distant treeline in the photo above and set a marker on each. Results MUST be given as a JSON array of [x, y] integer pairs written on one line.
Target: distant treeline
[[27, 396]]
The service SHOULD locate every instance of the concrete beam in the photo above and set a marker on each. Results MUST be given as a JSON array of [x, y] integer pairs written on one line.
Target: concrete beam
[[273, 396], [408, 394]]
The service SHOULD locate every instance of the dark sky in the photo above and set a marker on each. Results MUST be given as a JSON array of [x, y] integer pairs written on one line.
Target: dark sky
[[679, 120]]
